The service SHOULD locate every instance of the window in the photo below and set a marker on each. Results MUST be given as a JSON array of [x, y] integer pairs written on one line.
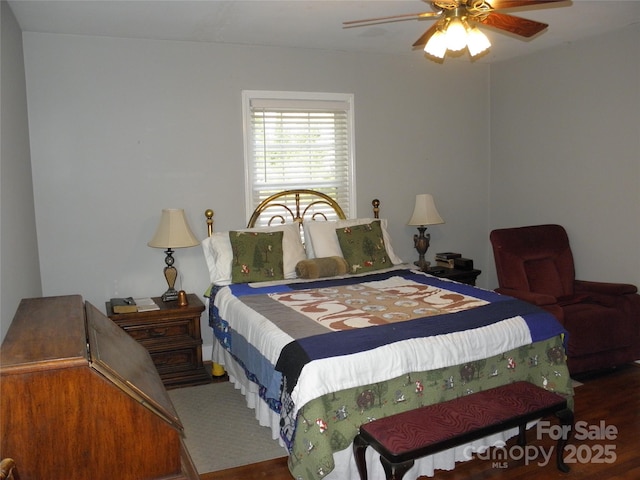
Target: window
[[298, 140]]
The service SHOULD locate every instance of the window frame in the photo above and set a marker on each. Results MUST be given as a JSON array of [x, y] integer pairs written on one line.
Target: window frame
[[288, 98]]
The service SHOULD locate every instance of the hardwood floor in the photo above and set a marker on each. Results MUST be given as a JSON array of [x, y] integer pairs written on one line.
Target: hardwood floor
[[611, 398]]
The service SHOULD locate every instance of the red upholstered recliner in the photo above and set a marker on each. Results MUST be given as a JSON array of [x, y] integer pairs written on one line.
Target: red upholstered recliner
[[535, 264]]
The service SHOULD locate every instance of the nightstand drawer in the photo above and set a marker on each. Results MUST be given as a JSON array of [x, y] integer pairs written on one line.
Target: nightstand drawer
[[176, 328], [176, 366], [176, 359]]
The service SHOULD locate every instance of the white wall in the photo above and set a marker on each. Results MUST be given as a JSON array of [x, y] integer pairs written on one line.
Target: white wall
[[122, 128], [19, 266], [565, 130]]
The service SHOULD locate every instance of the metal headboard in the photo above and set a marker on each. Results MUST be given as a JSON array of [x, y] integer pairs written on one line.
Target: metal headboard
[[293, 210]]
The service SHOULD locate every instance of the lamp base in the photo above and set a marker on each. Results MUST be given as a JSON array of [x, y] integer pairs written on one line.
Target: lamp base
[[170, 275], [421, 242], [422, 265], [170, 295]]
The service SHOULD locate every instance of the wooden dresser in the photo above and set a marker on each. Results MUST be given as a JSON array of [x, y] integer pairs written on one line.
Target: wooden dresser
[[81, 399]]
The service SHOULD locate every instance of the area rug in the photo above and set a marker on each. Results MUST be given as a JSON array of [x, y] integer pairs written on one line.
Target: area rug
[[220, 431]]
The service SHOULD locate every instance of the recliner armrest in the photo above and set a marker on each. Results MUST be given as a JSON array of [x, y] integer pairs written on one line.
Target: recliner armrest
[[604, 288], [539, 299], [542, 300]]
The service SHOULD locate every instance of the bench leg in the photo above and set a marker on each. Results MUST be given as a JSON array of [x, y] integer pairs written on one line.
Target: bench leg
[[359, 448], [566, 419], [522, 435], [395, 471]]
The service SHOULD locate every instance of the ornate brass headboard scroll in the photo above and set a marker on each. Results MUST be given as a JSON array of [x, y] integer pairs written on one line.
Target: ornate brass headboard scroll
[[296, 212]]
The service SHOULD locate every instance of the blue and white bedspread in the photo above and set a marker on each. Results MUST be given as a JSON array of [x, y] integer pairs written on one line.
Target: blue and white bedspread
[[300, 341]]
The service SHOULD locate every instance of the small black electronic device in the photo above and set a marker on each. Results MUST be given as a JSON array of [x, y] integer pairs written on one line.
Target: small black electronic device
[[463, 263]]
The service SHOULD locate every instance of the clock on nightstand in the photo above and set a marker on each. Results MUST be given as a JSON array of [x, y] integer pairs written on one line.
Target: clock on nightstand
[[172, 337]]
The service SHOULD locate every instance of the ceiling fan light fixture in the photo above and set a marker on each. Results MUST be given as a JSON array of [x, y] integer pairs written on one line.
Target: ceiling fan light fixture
[[477, 42], [456, 35], [437, 45], [453, 30]]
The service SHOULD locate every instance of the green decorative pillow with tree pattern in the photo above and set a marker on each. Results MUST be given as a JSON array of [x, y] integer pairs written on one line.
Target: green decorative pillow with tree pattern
[[363, 247], [257, 256]]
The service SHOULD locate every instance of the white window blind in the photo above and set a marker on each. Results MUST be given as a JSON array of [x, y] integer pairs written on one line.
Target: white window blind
[[298, 140]]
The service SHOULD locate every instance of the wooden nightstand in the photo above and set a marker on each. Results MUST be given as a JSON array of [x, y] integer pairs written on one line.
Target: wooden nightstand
[[462, 276], [172, 336]]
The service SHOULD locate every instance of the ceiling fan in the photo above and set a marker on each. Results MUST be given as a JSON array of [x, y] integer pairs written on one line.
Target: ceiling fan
[[456, 29]]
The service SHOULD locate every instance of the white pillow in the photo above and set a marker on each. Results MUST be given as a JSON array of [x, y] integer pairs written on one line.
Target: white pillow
[[218, 253], [322, 241]]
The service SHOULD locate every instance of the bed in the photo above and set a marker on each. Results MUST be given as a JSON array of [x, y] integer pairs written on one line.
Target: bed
[[361, 336]]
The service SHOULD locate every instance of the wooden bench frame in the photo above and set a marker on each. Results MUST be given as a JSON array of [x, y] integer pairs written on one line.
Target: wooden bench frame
[[396, 464]]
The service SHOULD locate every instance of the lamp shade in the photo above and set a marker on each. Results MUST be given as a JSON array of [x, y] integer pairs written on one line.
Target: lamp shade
[[477, 42], [173, 231], [425, 212], [437, 45], [456, 35]]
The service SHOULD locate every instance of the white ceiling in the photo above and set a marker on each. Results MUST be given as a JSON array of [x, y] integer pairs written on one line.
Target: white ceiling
[[308, 24]]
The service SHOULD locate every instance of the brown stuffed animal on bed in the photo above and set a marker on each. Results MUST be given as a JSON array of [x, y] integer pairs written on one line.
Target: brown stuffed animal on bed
[[321, 267]]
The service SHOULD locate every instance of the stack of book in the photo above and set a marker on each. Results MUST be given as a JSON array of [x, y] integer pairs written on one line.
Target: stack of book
[[447, 259], [130, 305], [146, 304]]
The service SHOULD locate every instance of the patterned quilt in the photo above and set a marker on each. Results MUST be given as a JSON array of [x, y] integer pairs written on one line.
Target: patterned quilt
[[349, 350]]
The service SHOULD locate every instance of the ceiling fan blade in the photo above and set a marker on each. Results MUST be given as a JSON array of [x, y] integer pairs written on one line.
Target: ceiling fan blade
[[393, 18], [426, 36], [504, 4], [519, 26]]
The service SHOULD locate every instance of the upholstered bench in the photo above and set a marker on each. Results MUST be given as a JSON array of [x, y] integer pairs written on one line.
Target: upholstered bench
[[401, 438]]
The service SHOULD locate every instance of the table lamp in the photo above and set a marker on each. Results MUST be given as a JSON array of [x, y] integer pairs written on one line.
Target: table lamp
[[424, 213], [173, 232]]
